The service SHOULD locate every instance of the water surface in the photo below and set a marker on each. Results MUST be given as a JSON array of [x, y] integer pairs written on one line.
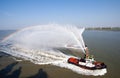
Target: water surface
[[104, 45]]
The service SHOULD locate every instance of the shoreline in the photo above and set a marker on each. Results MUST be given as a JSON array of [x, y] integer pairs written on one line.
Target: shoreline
[[87, 28], [104, 28]]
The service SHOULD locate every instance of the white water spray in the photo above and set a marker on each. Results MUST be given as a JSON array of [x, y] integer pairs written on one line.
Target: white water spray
[[40, 45]]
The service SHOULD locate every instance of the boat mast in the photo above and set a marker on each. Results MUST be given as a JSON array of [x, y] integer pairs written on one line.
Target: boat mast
[[87, 52]]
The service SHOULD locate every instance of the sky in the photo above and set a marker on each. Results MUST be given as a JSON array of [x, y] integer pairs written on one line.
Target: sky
[[16, 14]]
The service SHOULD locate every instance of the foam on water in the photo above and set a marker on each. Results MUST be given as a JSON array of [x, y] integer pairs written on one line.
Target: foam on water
[[40, 44]]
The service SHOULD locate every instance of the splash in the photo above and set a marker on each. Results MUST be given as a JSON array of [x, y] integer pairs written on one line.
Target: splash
[[41, 44]]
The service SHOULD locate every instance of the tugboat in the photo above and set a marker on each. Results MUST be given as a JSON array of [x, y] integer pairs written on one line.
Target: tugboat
[[87, 62]]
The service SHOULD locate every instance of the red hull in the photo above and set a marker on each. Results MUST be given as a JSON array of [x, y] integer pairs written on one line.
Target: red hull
[[97, 65]]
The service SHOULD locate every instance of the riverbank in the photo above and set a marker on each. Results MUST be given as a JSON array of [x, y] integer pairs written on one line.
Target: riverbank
[[104, 28]]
